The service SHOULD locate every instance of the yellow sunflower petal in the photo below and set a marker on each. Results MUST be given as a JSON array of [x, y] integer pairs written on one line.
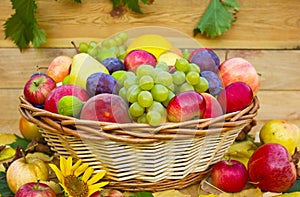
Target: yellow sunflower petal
[[76, 165], [58, 173], [68, 166], [62, 164], [96, 187], [81, 169], [87, 174], [96, 177]]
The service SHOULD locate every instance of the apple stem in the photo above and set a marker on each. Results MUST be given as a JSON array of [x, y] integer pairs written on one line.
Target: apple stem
[[226, 54], [75, 46]]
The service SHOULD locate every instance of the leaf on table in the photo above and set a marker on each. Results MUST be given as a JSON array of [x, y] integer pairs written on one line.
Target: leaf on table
[[142, 194], [4, 189], [252, 192], [217, 18], [19, 142], [22, 26], [7, 153]]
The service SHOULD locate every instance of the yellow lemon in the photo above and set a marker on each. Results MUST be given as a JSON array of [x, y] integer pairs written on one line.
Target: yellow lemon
[[153, 43], [282, 132]]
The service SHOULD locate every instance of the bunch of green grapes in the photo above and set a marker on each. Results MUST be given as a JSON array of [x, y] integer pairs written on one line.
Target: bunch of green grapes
[[148, 91], [187, 77], [111, 47]]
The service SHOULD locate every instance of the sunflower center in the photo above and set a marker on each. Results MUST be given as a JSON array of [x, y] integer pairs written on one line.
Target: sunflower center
[[75, 187]]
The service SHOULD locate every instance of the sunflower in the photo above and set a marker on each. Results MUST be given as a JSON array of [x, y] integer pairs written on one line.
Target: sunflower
[[77, 180]]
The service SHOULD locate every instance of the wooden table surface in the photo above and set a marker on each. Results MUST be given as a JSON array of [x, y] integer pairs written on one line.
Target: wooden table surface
[[266, 33]]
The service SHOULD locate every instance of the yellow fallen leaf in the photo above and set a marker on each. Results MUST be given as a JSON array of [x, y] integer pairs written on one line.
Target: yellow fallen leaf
[[208, 195], [252, 192], [292, 194], [7, 153], [54, 186], [2, 168], [173, 193], [39, 155], [7, 138]]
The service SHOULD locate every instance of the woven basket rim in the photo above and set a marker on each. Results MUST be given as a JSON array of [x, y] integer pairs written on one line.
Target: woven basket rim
[[135, 132]]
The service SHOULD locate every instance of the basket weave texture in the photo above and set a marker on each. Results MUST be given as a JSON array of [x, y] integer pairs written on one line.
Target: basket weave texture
[[139, 157]]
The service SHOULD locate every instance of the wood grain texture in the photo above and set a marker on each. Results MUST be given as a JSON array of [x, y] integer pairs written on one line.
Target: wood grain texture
[[265, 24]]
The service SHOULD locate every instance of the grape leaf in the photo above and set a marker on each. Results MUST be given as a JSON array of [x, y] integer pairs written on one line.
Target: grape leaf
[[4, 189], [142, 194], [22, 26], [217, 19]]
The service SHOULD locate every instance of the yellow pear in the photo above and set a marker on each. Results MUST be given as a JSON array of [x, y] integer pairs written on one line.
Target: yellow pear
[[282, 132], [83, 65]]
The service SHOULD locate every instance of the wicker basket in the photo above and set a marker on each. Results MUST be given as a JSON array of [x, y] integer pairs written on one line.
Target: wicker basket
[[138, 157]]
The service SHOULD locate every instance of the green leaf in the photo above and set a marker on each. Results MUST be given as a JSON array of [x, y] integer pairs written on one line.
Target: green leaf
[[231, 5], [4, 189], [77, 1], [116, 3], [133, 5], [21, 142], [142, 194], [217, 18], [22, 26]]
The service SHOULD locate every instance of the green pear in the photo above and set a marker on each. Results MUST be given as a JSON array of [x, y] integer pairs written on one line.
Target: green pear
[[83, 65]]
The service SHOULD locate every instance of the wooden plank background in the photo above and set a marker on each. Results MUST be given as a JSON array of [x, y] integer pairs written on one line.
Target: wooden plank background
[[266, 33]]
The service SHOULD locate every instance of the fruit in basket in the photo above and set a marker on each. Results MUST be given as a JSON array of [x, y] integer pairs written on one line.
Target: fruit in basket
[[235, 97], [205, 58], [186, 106], [38, 87], [271, 168], [239, 69], [215, 84], [106, 107], [69, 106], [59, 68], [61, 91], [229, 175], [212, 106], [25, 170], [98, 83], [35, 189], [113, 64], [152, 43], [282, 132], [28, 129], [83, 65], [169, 58], [135, 58]]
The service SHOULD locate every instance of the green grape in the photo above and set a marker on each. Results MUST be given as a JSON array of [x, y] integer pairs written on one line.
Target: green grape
[[124, 36], [182, 64], [146, 82], [105, 53], [118, 40], [171, 87], [186, 53], [157, 106], [122, 52], [132, 93], [118, 75], [83, 47], [93, 51], [130, 82], [145, 99], [159, 92], [164, 78], [153, 118], [93, 44], [142, 119], [202, 86], [123, 93], [171, 95], [108, 43], [186, 87], [192, 78], [178, 77], [144, 69], [194, 67], [136, 110], [162, 66]]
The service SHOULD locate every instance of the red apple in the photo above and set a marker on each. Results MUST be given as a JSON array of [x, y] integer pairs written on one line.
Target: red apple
[[239, 69], [28, 129], [205, 58], [235, 97], [107, 193], [135, 58], [38, 87], [186, 106], [271, 168], [35, 189], [59, 68], [212, 108], [63, 90], [106, 107], [229, 175]]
